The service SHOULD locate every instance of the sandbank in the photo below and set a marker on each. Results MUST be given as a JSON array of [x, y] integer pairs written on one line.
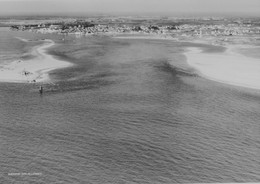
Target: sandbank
[[145, 36], [228, 67], [33, 70]]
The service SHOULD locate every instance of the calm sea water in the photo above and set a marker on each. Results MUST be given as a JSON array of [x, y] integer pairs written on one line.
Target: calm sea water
[[128, 111]]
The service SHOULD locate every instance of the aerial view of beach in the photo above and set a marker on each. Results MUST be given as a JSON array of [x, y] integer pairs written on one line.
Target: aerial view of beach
[[129, 92]]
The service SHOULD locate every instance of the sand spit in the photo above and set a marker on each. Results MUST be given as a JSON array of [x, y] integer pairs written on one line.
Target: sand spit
[[228, 67], [33, 70], [145, 36]]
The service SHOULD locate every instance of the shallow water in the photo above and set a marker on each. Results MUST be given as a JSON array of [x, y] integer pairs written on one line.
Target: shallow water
[[129, 111]]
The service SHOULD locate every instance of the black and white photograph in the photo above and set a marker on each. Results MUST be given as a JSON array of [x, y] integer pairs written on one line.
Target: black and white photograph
[[129, 91]]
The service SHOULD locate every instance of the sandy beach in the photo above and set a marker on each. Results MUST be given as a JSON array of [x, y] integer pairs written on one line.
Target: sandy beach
[[228, 67], [33, 70]]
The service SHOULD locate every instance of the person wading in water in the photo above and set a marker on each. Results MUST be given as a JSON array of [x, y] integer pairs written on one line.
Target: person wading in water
[[41, 90]]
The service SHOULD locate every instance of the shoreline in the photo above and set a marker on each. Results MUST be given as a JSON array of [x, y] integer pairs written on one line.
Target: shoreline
[[228, 67], [33, 70]]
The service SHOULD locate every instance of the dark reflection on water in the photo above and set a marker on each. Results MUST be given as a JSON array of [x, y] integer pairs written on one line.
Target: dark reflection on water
[[129, 111]]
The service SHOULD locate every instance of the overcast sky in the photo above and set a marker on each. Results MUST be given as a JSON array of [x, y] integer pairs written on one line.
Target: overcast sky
[[243, 7]]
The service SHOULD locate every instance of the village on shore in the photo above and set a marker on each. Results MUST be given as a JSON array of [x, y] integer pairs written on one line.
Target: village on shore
[[186, 28]]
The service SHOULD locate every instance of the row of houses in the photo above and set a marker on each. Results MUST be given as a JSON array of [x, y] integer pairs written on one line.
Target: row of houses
[[83, 27]]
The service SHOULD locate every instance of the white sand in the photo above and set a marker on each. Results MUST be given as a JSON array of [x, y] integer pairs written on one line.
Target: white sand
[[37, 68], [228, 67]]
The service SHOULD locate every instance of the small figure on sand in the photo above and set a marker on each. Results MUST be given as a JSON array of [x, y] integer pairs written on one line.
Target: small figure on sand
[[41, 90], [26, 73]]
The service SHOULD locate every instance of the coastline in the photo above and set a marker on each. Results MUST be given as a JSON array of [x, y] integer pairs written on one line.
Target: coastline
[[33, 70], [228, 67]]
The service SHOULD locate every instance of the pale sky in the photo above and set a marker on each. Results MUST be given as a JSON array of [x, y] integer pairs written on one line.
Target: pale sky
[[50, 7]]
